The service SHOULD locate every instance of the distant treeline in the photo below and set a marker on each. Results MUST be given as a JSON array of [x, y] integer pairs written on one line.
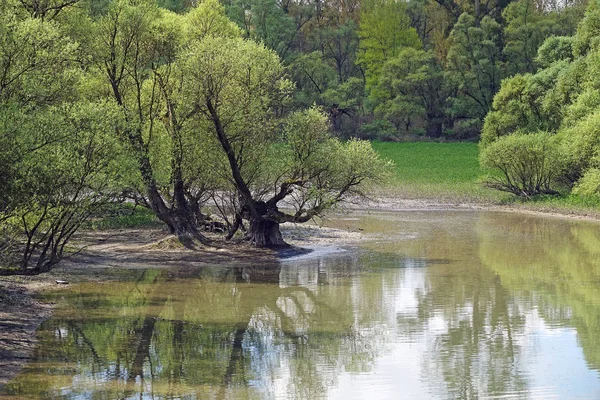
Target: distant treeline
[[394, 70]]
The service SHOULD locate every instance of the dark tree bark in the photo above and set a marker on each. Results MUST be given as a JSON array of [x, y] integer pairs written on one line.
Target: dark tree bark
[[180, 217], [434, 126], [264, 231]]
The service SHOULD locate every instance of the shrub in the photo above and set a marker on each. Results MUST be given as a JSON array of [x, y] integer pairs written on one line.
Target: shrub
[[589, 184], [528, 164], [580, 145], [379, 129]]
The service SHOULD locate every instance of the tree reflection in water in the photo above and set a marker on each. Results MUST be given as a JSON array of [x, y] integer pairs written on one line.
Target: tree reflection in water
[[552, 266], [454, 308], [215, 332]]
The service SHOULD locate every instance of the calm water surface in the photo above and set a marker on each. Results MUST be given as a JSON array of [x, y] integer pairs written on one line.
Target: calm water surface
[[437, 305]]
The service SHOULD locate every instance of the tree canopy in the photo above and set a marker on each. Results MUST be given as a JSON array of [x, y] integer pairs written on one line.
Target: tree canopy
[[128, 100]]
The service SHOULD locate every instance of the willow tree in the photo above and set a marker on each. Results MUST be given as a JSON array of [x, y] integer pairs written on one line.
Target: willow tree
[[59, 158], [384, 30], [135, 47], [474, 69], [238, 86]]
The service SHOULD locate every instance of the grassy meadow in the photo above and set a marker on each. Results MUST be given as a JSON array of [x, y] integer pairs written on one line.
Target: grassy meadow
[[451, 172], [436, 171]]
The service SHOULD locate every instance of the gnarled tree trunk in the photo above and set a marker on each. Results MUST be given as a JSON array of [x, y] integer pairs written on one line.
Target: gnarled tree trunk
[[265, 233], [264, 228]]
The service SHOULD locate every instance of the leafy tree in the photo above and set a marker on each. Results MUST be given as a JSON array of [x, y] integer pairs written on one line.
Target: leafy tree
[[562, 99], [46, 9], [433, 24], [411, 88], [580, 144], [236, 85], [313, 77], [135, 48], [524, 104], [62, 160], [384, 30], [588, 31], [346, 100], [72, 173], [555, 48], [339, 43], [528, 24], [265, 21], [474, 67]]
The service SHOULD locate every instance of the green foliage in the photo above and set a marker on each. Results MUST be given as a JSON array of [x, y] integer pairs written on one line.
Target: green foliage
[[64, 159], [528, 25], [554, 49], [589, 184], [526, 28], [581, 145], [35, 59], [524, 103], [236, 85], [65, 170], [339, 44], [474, 66], [561, 98], [330, 168], [264, 21], [588, 31], [529, 164], [380, 129], [410, 91], [346, 99], [120, 95], [384, 30], [209, 18], [240, 82], [313, 77], [585, 104]]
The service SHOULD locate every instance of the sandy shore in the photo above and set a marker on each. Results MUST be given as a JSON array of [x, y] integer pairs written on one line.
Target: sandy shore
[[106, 251]]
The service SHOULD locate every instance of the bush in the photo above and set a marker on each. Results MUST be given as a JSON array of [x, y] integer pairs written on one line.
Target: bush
[[379, 129], [580, 145], [529, 164], [589, 184]]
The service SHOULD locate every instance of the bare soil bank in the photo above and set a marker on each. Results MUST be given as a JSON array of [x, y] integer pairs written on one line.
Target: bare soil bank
[[20, 315]]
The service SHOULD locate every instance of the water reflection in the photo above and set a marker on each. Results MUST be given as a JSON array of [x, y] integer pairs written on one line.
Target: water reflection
[[457, 305]]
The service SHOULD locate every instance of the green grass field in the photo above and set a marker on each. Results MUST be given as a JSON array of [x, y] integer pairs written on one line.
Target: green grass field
[[436, 170], [451, 172]]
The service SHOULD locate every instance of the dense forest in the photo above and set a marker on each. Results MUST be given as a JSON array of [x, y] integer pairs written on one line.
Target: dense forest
[[254, 105], [403, 69]]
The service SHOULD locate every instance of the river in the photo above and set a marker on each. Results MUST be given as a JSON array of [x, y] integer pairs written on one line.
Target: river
[[454, 304]]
